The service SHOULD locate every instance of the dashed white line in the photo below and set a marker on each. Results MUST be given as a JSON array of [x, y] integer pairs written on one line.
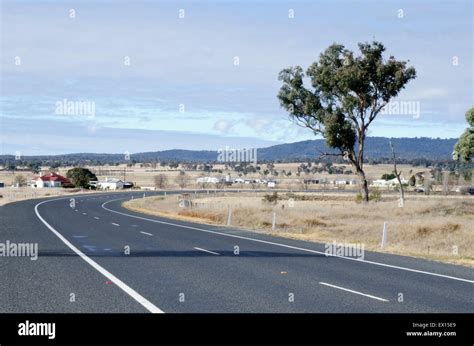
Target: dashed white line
[[115, 224], [145, 233], [84, 213], [355, 292], [284, 245], [96, 217], [204, 250], [122, 285]]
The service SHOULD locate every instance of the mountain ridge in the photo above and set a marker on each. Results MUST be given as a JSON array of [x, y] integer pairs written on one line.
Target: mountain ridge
[[376, 148]]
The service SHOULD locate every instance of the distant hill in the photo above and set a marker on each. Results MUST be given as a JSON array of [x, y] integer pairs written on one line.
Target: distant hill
[[433, 149], [376, 148]]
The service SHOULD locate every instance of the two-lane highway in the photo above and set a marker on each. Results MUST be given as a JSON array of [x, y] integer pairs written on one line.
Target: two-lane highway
[[113, 260]]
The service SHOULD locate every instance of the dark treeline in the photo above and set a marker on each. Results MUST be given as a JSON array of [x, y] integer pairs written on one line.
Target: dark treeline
[[415, 151]]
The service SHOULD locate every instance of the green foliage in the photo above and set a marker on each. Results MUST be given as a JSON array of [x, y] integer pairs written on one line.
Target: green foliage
[[388, 176], [347, 94], [345, 88], [10, 166], [35, 167], [80, 177], [464, 148]]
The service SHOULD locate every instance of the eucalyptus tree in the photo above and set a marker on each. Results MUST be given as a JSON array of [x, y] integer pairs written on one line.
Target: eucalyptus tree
[[346, 94]]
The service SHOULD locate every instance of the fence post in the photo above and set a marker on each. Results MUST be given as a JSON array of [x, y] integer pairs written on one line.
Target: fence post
[[229, 217], [384, 234], [274, 221]]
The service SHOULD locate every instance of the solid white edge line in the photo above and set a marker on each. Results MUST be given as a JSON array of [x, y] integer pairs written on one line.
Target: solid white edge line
[[214, 253], [145, 233], [355, 292], [286, 246], [127, 289]]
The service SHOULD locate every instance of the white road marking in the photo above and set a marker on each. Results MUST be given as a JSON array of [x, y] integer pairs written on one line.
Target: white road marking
[[355, 292], [145, 233], [214, 253], [115, 224], [122, 285], [84, 213], [96, 217], [286, 246]]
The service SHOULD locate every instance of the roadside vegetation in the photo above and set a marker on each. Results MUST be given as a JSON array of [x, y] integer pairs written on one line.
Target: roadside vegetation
[[437, 228]]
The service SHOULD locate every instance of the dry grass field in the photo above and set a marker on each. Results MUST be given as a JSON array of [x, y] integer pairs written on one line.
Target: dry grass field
[[433, 227], [142, 176]]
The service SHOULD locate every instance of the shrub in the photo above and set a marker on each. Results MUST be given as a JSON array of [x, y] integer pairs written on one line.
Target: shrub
[[271, 198], [374, 195]]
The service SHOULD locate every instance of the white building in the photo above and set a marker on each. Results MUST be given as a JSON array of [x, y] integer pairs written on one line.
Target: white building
[[208, 180], [385, 183], [110, 184], [50, 180]]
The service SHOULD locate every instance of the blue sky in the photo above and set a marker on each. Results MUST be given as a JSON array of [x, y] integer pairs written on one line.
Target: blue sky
[[190, 62]]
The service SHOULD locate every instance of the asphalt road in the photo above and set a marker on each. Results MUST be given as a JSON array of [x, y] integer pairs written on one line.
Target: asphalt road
[[173, 266]]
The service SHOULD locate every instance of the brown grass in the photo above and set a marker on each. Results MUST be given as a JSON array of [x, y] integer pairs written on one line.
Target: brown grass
[[426, 227]]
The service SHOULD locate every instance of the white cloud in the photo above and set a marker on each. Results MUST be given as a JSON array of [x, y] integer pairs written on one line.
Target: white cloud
[[223, 126]]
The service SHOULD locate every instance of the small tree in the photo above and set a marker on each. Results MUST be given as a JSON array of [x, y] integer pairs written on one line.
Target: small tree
[[387, 176], [35, 167], [80, 177], [20, 180], [10, 166], [348, 93], [161, 181], [181, 179], [464, 148]]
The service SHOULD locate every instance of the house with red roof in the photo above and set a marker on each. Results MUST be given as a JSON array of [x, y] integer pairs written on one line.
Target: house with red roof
[[51, 180]]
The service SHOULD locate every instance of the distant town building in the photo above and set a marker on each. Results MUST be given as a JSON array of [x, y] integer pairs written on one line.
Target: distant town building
[[110, 184], [208, 180], [387, 183], [50, 180]]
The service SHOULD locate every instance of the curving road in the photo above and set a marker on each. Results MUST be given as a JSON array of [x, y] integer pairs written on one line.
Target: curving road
[[176, 266]]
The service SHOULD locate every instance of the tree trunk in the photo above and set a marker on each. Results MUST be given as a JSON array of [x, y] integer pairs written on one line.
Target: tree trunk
[[364, 187], [398, 174]]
